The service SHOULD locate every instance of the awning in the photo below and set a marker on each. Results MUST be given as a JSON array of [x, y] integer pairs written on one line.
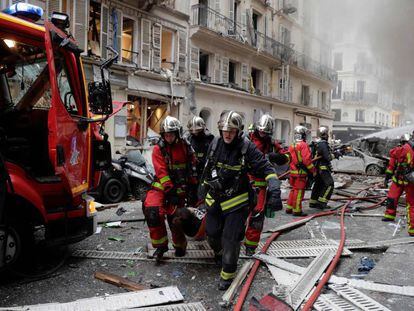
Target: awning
[[149, 95]]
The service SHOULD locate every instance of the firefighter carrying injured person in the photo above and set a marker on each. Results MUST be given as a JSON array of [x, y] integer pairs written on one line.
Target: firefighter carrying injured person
[[175, 185], [228, 193], [400, 171]]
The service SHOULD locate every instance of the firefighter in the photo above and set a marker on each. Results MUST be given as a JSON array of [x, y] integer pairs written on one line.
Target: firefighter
[[200, 139], [229, 195], [175, 172], [300, 166], [262, 138], [324, 183], [401, 163]]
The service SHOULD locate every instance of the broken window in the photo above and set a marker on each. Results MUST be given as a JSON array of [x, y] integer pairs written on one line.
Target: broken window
[[232, 72], [204, 71], [337, 61], [256, 76], [127, 40], [305, 95], [94, 30], [167, 49]]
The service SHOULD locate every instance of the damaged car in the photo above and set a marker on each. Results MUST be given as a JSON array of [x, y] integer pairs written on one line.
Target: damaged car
[[357, 162]]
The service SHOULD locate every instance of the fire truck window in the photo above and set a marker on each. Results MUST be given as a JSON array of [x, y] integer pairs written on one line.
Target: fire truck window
[[24, 76], [65, 88]]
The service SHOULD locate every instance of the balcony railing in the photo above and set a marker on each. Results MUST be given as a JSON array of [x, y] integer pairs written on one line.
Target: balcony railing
[[361, 97], [213, 20]]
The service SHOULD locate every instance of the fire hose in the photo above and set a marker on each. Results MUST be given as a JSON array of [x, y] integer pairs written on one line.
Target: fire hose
[[246, 287]]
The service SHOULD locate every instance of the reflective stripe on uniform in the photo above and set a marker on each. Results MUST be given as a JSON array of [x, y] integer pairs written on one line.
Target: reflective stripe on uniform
[[323, 167], [179, 166], [323, 198], [244, 197], [199, 155], [298, 201], [250, 243], [229, 167], [179, 190], [271, 176], [159, 241], [258, 183], [165, 179], [389, 216], [209, 200], [310, 166], [227, 275], [157, 185], [312, 201], [387, 171], [410, 228], [399, 182]]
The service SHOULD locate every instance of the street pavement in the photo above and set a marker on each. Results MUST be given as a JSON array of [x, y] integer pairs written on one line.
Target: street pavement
[[198, 282]]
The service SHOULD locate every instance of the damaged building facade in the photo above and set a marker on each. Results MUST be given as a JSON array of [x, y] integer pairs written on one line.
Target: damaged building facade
[[186, 58], [259, 57], [368, 98]]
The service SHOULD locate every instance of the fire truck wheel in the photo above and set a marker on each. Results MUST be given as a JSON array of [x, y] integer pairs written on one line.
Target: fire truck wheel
[[139, 189], [114, 191]]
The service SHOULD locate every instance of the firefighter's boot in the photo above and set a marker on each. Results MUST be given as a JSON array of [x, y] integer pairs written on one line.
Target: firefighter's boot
[[250, 251], [180, 252], [159, 253], [224, 284]]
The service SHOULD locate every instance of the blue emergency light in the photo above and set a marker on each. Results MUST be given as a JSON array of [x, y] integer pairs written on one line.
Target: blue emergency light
[[25, 11]]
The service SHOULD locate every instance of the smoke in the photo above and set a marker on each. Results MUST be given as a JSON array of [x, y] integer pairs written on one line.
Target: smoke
[[386, 26]]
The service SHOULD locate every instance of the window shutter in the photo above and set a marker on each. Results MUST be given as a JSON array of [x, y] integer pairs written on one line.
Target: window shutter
[[53, 6], [81, 22], [265, 84], [245, 77], [231, 10], [195, 63], [182, 51], [217, 68], [145, 44], [156, 47], [243, 23], [104, 30], [225, 70], [119, 34]]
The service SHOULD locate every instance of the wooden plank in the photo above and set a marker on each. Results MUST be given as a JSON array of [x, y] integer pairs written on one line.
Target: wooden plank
[[118, 281]]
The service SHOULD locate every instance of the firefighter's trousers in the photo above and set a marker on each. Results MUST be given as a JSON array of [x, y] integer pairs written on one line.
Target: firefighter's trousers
[[298, 184], [322, 189], [396, 190], [255, 220], [156, 209], [224, 233]]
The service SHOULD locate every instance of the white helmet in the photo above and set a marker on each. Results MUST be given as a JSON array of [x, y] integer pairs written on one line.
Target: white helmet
[[196, 124], [171, 124], [300, 133], [230, 120], [406, 137], [265, 124], [323, 132]]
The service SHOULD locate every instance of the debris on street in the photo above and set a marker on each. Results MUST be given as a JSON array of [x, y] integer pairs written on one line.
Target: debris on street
[[118, 281]]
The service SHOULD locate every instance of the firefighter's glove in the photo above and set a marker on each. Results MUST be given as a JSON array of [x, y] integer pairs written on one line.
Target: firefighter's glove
[[172, 197], [274, 201]]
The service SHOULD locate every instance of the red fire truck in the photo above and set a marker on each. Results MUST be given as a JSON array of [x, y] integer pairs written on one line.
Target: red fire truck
[[50, 143]]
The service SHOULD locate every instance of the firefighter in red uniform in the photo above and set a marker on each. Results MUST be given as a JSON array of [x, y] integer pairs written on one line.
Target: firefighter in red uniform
[[228, 193], [300, 166], [401, 164], [175, 182], [262, 138]]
